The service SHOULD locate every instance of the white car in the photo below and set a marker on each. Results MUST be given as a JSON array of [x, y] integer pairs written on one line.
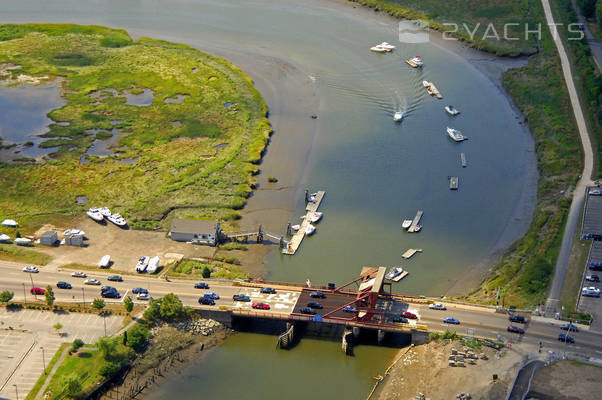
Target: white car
[[91, 282], [437, 306], [31, 268], [144, 296], [79, 274]]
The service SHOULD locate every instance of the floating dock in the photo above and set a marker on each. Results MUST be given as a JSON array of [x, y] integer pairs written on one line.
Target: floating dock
[[410, 253], [463, 160], [400, 276], [415, 227], [310, 208], [453, 182]]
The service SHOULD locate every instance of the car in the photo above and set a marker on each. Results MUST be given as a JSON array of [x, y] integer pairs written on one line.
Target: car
[[115, 278], [261, 306], [595, 266], [211, 295], [112, 294], [317, 295], [144, 296], [37, 290], [515, 329], [592, 278], [201, 285], [241, 297], [595, 192], [63, 285], [307, 310], [314, 304], [107, 288], [207, 301], [437, 306], [563, 337], [450, 320], [517, 318], [139, 290], [590, 292], [399, 318], [31, 269], [91, 282], [79, 274], [569, 327], [268, 290], [350, 309], [409, 315]]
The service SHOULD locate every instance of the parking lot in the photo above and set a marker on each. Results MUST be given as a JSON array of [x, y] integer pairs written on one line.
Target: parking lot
[[28, 340], [592, 305]]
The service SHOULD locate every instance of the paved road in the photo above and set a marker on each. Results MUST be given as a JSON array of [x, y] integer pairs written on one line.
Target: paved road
[[591, 40], [588, 166]]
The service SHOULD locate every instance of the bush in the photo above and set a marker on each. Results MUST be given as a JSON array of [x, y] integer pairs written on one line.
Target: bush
[[114, 42], [272, 179], [166, 308], [77, 344], [138, 337], [6, 296], [109, 369], [72, 386], [206, 272]]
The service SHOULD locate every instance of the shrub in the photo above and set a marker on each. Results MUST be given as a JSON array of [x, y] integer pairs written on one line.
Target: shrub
[[272, 179], [77, 344], [72, 386], [206, 272], [138, 337], [114, 42], [110, 369], [6, 296]]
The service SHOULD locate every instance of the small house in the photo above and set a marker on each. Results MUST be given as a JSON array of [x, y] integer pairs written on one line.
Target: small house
[[49, 238], [197, 232], [74, 239]]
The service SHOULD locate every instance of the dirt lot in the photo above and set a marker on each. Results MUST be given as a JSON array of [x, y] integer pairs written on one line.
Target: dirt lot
[[425, 369], [558, 382]]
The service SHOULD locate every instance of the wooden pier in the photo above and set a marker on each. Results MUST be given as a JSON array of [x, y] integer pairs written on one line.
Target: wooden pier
[[400, 276], [415, 227], [310, 208], [410, 253], [463, 159], [453, 182]]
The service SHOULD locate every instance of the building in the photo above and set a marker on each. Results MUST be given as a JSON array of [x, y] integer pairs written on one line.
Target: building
[[49, 238], [197, 232], [74, 239]]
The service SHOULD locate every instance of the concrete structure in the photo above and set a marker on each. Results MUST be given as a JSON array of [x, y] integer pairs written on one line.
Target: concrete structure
[[49, 238], [197, 232]]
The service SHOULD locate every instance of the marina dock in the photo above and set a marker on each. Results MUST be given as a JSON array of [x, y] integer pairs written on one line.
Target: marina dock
[[400, 276], [410, 253], [453, 182], [415, 227], [463, 159], [310, 208]]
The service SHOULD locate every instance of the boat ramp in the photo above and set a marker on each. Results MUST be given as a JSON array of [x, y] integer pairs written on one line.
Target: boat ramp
[[415, 227], [310, 208]]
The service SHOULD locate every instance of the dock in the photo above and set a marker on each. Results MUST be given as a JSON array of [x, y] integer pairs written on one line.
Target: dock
[[463, 160], [410, 253], [400, 276], [415, 227], [310, 208], [453, 182]]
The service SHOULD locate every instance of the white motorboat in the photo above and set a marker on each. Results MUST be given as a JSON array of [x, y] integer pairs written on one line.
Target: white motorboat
[[315, 216], [11, 223], [105, 211], [95, 214], [451, 110], [379, 49], [398, 116], [142, 264], [406, 223], [415, 62], [22, 241], [105, 261], [455, 134], [4, 238], [117, 219], [387, 46], [426, 84], [153, 264], [296, 227], [394, 272], [310, 230]]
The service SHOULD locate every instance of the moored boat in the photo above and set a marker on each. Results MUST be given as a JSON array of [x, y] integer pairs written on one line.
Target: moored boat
[[315, 216], [95, 214], [22, 241], [393, 272], [387, 46], [415, 62], [379, 49], [451, 110], [406, 223], [296, 227], [455, 134], [105, 211], [117, 219], [398, 116], [310, 230], [4, 238]]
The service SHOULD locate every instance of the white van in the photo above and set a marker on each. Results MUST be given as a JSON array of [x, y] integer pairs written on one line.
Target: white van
[[153, 264], [105, 261]]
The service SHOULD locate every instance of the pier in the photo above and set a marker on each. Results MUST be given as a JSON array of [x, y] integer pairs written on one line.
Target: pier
[[415, 227], [310, 208], [410, 253]]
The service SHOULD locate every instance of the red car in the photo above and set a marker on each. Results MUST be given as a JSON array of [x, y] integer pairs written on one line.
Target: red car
[[515, 329], [37, 290], [409, 315], [261, 306]]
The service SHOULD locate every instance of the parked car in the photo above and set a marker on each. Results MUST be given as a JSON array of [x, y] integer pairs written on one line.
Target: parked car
[[515, 329], [563, 337], [399, 318], [107, 288], [31, 269], [590, 292], [241, 297], [437, 306], [139, 290], [261, 306], [144, 296], [592, 278], [595, 192], [268, 290], [37, 290], [569, 327], [595, 266], [307, 310], [91, 282], [79, 274], [112, 294], [211, 295], [409, 315], [201, 285], [63, 285], [350, 309], [450, 320], [317, 295], [314, 304], [517, 318], [207, 301], [115, 278]]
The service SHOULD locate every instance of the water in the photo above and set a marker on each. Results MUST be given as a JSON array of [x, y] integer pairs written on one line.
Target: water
[[141, 99]]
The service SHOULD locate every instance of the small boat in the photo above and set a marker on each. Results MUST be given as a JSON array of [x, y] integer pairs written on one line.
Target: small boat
[[315, 217], [417, 228], [387, 46], [415, 62], [393, 272], [379, 49], [406, 223], [105, 261], [296, 227], [310, 230], [455, 134], [398, 116], [22, 241], [11, 223], [142, 264], [451, 110], [105, 211], [74, 231], [4, 238], [426, 84], [95, 214], [117, 219]]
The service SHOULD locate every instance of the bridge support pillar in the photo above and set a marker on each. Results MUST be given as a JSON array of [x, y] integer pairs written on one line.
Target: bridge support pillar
[[347, 342], [286, 339], [381, 336], [356, 332]]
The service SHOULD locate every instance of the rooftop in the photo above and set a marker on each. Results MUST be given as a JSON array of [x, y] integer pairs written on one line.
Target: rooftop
[[193, 226]]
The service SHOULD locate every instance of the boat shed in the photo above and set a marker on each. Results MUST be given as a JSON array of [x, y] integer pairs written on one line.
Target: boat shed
[[194, 231], [49, 238]]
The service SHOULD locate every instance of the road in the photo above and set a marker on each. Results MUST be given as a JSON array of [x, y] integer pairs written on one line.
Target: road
[[591, 40], [588, 165]]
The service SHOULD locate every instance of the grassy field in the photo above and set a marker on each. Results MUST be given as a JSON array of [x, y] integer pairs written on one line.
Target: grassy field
[[40, 382], [195, 158], [20, 254], [224, 267]]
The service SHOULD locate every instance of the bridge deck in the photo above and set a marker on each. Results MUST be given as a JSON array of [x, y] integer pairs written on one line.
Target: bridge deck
[[297, 238]]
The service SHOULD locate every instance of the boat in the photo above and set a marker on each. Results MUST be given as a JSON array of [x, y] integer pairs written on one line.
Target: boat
[[105, 211], [117, 219], [387, 46], [11, 223], [451, 110], [70, 232], [455, 134], [398, 116], [426, 84], [105, 261], [95, 214], [415, 62], [153, 264], [142, 264], [22, 241], [431, 89], [310, 230], [315, 216], [393, 272], [379, 49], [4, 238], [406, 223], [296, 227]]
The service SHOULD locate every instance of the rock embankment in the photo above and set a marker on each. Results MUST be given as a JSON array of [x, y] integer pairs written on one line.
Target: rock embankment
[[200, 326]]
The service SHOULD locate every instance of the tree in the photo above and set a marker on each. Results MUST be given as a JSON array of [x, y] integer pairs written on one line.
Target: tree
[[171, 307], [77, 344], [99, 304], [6, 296], [206, 272], [152, 312], [588, 7], [49, 295], [125, 338], [599, 13], [57, 327], [72, 386], [128, 304], [108, 348], [138, 337]]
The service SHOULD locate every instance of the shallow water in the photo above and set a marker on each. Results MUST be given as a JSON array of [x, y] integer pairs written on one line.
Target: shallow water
[[141, 99]]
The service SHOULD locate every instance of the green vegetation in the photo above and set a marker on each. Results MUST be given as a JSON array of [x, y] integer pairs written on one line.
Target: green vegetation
[[233, 246], [19, 254], [167, 341], [272, 179], [178, 169], [76, 345], [166, 308], [128, 304], [225, 268], [6, 296], [98, 304], [57, 327], [446, 335], [49, 296], [42, 379], [138, 337]]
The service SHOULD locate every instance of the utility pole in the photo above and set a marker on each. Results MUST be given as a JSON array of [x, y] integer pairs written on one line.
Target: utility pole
[[83, 298], [16, 391], [24, 296], [104, 319], [34, 293]]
